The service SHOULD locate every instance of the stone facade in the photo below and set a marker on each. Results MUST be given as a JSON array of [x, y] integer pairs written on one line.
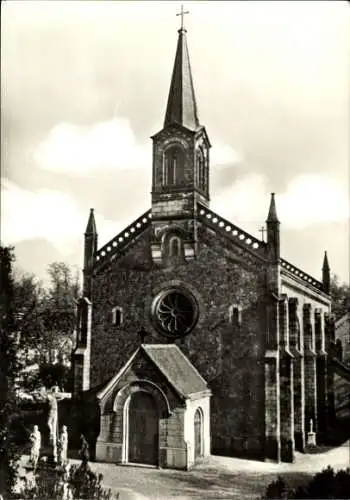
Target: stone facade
[[259, 329]]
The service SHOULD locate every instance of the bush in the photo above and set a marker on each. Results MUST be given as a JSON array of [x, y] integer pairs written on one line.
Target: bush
[[325, 484], [277, 490], [86, 484]]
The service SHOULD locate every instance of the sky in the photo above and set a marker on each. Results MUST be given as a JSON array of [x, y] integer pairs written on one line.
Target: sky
[[84, 85]]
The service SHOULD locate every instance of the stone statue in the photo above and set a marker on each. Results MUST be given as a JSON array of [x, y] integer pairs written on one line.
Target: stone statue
[[311, 435], [84, 449], [35, 439], [63, 445]]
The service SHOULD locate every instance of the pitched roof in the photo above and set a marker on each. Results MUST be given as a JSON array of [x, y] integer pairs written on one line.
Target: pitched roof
[[182, 107], [172, 363], [176, 368]]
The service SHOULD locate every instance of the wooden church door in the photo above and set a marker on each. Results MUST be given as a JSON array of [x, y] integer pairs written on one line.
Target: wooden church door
[[198, 432], [143, 429]]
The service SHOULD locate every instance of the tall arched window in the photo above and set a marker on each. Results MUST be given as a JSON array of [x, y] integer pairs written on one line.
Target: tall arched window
[[198, 433], [174, 160], [200, 170]]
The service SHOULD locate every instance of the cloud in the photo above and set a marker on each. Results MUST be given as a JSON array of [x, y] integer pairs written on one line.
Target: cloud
[[79, 149], [309, 199], [46, 214], [244, 201], [312, 199], [223, 154]]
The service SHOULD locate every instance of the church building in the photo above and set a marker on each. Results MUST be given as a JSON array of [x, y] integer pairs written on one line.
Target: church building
[[193, 336]]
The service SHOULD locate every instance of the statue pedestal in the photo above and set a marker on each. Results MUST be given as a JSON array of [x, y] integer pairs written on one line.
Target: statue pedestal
[[52, 454], [311, 435], [311, 439]]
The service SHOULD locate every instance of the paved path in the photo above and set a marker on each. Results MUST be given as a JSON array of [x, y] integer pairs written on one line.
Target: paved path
[[215, 478]]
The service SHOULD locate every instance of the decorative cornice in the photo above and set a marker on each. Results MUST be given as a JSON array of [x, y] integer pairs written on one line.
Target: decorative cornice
[[123, 239]]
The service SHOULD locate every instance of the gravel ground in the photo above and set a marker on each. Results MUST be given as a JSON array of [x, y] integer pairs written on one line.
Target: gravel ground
[[214, 478]]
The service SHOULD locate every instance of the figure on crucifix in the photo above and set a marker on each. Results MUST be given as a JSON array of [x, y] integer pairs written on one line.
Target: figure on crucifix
[[53, 397]]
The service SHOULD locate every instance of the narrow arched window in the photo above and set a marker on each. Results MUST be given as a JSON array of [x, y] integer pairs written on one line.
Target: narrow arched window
[[174, 166], [117, 316], [200, 170], [198, 433], [298, 333], [235, 315], [174, 246]]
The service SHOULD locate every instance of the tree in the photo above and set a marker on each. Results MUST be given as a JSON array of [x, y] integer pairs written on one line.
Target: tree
[[9, 371], [47, 325], [340, 295]]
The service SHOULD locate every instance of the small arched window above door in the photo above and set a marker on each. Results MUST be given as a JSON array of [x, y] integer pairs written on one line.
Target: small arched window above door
[[175, 247], [174, 164]]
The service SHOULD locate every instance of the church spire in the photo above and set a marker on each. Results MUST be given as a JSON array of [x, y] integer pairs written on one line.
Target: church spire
[[326, 277], [90, 248], [272, 216], [182, 107], [91, 225], [273, 231]]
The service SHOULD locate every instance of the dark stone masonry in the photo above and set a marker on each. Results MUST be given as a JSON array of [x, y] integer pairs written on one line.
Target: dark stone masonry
[[214, 304]]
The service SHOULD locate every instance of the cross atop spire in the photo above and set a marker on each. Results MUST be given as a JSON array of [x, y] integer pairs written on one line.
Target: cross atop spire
[[182, 13]]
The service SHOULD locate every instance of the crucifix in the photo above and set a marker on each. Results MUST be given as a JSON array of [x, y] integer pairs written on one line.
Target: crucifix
[[182, 13], [142, 334], [53, 396], [262, 231]]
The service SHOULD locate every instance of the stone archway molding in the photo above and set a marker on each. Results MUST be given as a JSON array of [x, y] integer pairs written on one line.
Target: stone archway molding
[[142, 385]]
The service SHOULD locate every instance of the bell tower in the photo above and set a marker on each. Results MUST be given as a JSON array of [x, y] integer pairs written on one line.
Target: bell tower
[[180, 177]]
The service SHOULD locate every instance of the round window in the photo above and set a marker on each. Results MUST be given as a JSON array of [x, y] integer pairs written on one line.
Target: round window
[[175, 312]]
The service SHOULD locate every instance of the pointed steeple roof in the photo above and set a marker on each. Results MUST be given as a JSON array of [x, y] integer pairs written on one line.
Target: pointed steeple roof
[[182, 107], [272, 217], [325, 262], [91, 225]]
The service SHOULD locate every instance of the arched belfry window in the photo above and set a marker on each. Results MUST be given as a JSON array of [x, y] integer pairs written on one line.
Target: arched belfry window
[[174, 162], [200, 170]]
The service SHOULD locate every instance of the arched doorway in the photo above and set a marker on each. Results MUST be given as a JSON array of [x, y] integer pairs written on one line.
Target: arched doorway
[[198, 433], [143, 429]]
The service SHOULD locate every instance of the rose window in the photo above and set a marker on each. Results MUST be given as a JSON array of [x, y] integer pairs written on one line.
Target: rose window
[[175, 312]]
